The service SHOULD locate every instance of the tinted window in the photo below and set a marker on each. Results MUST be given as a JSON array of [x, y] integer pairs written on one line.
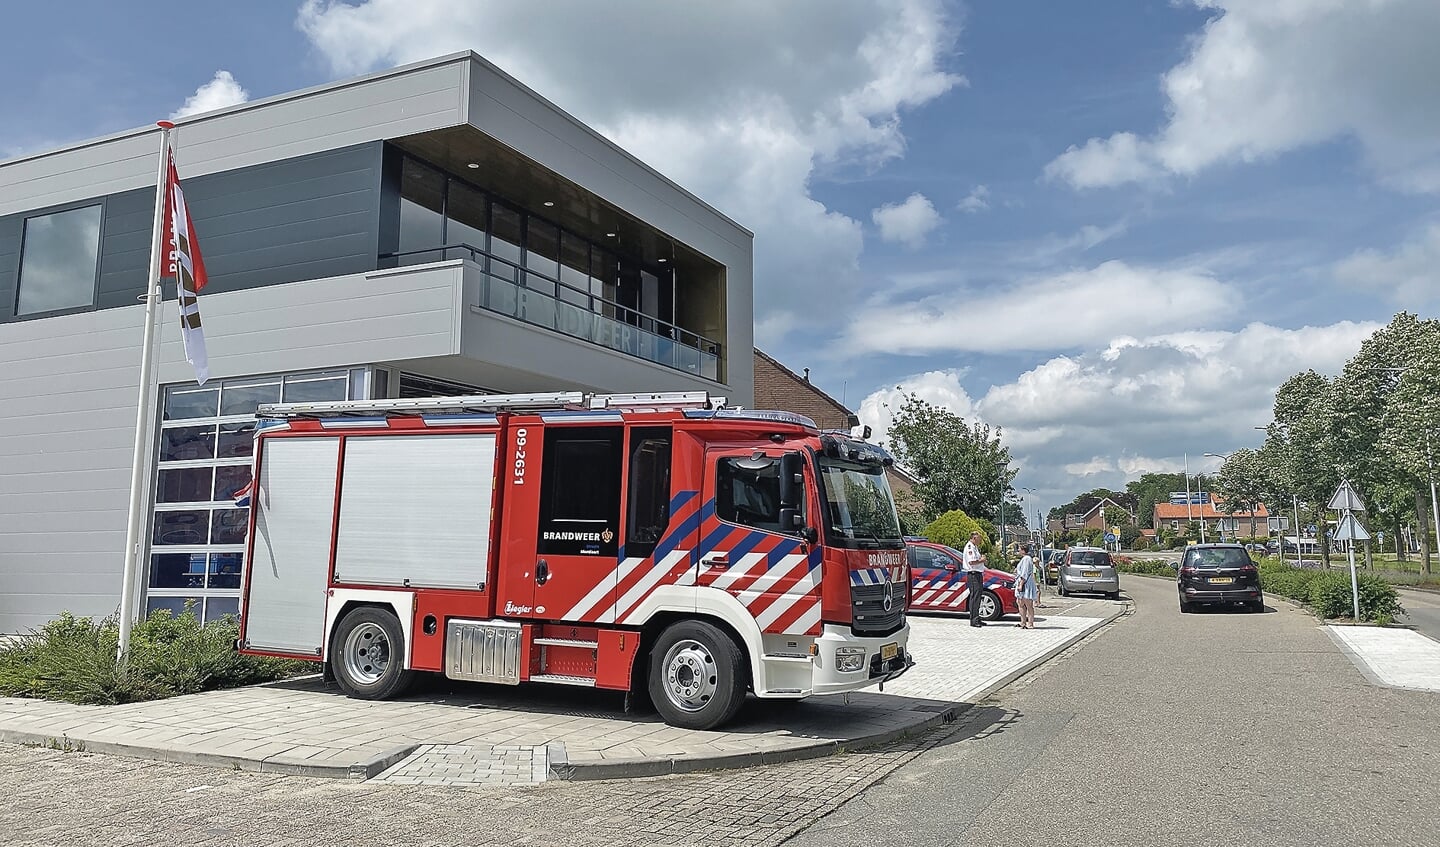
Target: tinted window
[[929, 557], [422, 207], [1225, 557], [579, 491], [58, 258], [747, 492], [1090, 557], [649, 509]]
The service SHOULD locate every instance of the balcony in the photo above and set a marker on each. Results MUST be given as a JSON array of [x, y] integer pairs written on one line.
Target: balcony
[[544, 301]]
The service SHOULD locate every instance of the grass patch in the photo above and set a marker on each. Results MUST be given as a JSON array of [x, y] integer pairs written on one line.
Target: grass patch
[[73, 659]]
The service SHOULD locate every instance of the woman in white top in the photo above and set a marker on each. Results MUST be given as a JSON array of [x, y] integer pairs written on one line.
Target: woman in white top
[[1027, 588]]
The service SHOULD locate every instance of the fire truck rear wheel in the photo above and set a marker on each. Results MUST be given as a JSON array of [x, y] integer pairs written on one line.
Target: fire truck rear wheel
[[368, 655], [697, 676]]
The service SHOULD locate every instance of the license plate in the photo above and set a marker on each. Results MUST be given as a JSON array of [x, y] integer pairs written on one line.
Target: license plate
[[889, 651], [1221, 580], [1092, 574]]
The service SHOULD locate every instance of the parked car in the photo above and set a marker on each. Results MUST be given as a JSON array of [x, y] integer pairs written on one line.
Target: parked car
[[1219, 573], [1089, 569], [1052, 559], [937, 584]]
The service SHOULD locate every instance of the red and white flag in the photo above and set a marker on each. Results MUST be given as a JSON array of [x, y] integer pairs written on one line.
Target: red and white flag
[[185, 264]]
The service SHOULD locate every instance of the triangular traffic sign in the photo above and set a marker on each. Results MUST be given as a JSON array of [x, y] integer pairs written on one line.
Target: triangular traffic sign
[[1351, 530], [1346, 498]]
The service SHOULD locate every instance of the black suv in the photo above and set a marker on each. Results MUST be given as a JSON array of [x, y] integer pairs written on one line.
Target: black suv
[[1219, 573]]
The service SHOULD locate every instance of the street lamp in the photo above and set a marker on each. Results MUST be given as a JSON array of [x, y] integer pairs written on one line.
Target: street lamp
[[1224, 457]]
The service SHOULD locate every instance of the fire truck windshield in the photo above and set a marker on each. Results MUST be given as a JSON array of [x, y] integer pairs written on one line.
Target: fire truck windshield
[[859, 509]]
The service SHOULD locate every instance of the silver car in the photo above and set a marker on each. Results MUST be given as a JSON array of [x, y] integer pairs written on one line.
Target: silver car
[[1089, 569]]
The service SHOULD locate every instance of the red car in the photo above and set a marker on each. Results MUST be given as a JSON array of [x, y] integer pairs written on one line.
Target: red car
[[937, 583]]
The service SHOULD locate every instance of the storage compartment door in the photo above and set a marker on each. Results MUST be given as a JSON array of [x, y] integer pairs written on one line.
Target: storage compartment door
[[416, 510], [290, 569]]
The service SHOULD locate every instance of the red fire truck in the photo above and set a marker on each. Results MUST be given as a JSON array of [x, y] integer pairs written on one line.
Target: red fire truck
[[655, 544]]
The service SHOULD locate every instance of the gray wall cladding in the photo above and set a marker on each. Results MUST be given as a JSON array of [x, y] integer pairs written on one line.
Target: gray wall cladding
[[10, 235], [303, 218]]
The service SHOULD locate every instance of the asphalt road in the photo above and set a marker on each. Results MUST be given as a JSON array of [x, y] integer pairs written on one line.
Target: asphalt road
[[1210, 728], [1422, 611]]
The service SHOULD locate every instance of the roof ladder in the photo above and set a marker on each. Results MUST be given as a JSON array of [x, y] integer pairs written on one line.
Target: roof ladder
[[491, 403]]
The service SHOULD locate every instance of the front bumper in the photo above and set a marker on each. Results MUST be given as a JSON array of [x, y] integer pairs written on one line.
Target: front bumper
[[828, 679]]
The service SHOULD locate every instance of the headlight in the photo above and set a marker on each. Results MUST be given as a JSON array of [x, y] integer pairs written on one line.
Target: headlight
[[849, 658]]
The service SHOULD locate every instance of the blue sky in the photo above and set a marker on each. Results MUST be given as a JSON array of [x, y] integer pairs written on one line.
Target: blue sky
[[1113, 228]]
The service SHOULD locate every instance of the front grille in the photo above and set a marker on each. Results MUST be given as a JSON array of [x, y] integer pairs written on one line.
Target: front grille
[[867, 603]]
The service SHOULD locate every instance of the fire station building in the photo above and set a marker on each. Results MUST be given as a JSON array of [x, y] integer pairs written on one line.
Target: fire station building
[[434, 229]]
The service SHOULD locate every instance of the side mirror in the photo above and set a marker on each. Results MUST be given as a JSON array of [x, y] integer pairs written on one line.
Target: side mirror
[[792, 476]]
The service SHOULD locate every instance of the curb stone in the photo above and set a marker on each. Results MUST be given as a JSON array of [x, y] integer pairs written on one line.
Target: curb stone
[[635, 768], [277, 764]]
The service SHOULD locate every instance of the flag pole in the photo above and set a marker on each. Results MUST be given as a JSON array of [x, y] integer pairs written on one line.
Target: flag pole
[[144, 412]]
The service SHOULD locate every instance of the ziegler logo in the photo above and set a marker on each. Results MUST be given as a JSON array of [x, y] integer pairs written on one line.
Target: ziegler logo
[[886, 560], [512, 609]]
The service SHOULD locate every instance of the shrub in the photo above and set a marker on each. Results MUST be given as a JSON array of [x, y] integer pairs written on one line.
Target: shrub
[[73, 659], [1142, 566], [1331, 596], [1328, 592], [953, 530]]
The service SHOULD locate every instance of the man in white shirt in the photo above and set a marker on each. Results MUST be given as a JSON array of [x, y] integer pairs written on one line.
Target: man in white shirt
[[974, 565]]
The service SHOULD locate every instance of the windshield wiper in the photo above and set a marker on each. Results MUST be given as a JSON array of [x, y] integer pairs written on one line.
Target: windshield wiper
[[855, 533]]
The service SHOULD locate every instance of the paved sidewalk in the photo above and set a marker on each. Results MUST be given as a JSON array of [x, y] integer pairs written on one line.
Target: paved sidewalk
[[455, 733], [1396, 657]]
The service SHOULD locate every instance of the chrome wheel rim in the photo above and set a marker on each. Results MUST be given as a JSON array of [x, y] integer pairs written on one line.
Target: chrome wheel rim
[[366, 653], [691, 675], [987, 606]]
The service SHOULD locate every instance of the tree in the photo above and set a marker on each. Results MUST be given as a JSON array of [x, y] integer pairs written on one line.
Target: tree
[[1408, 432], [1116, 516], [1241, 482], [1152, 488], [959, 465]]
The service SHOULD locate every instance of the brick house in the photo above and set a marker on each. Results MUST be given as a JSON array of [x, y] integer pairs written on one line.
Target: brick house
[[1217, 522], [1093, 516], [778, 387]]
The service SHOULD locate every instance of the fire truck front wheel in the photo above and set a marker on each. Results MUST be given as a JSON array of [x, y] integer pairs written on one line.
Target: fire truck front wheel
[[368, 655], [697, 675]]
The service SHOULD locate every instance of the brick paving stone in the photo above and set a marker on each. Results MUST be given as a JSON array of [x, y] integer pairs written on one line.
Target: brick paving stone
[[302, 720]]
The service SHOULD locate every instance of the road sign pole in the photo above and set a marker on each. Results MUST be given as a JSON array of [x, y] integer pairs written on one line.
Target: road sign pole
[[1347, 501], [1354, 584]]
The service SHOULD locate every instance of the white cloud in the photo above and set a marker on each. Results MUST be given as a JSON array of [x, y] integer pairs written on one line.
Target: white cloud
[[907, 223], [1138, 405], [1066, 310], [1265, 77], [218, 93], [739, 101], [1121, 158], [978, 200], [1410, 275]]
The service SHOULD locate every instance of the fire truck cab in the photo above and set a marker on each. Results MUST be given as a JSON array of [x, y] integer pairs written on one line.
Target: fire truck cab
[[659, 544]]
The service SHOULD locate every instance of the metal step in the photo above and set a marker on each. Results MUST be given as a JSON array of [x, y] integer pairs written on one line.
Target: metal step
[[566, 642], [562, 679]]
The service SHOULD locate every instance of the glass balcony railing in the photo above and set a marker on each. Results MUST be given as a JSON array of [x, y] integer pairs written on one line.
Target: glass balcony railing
[[581, 314]]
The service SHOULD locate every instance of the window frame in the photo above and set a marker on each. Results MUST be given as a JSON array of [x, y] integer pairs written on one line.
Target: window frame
[[802, 506], [25, 218], [551, 483]]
